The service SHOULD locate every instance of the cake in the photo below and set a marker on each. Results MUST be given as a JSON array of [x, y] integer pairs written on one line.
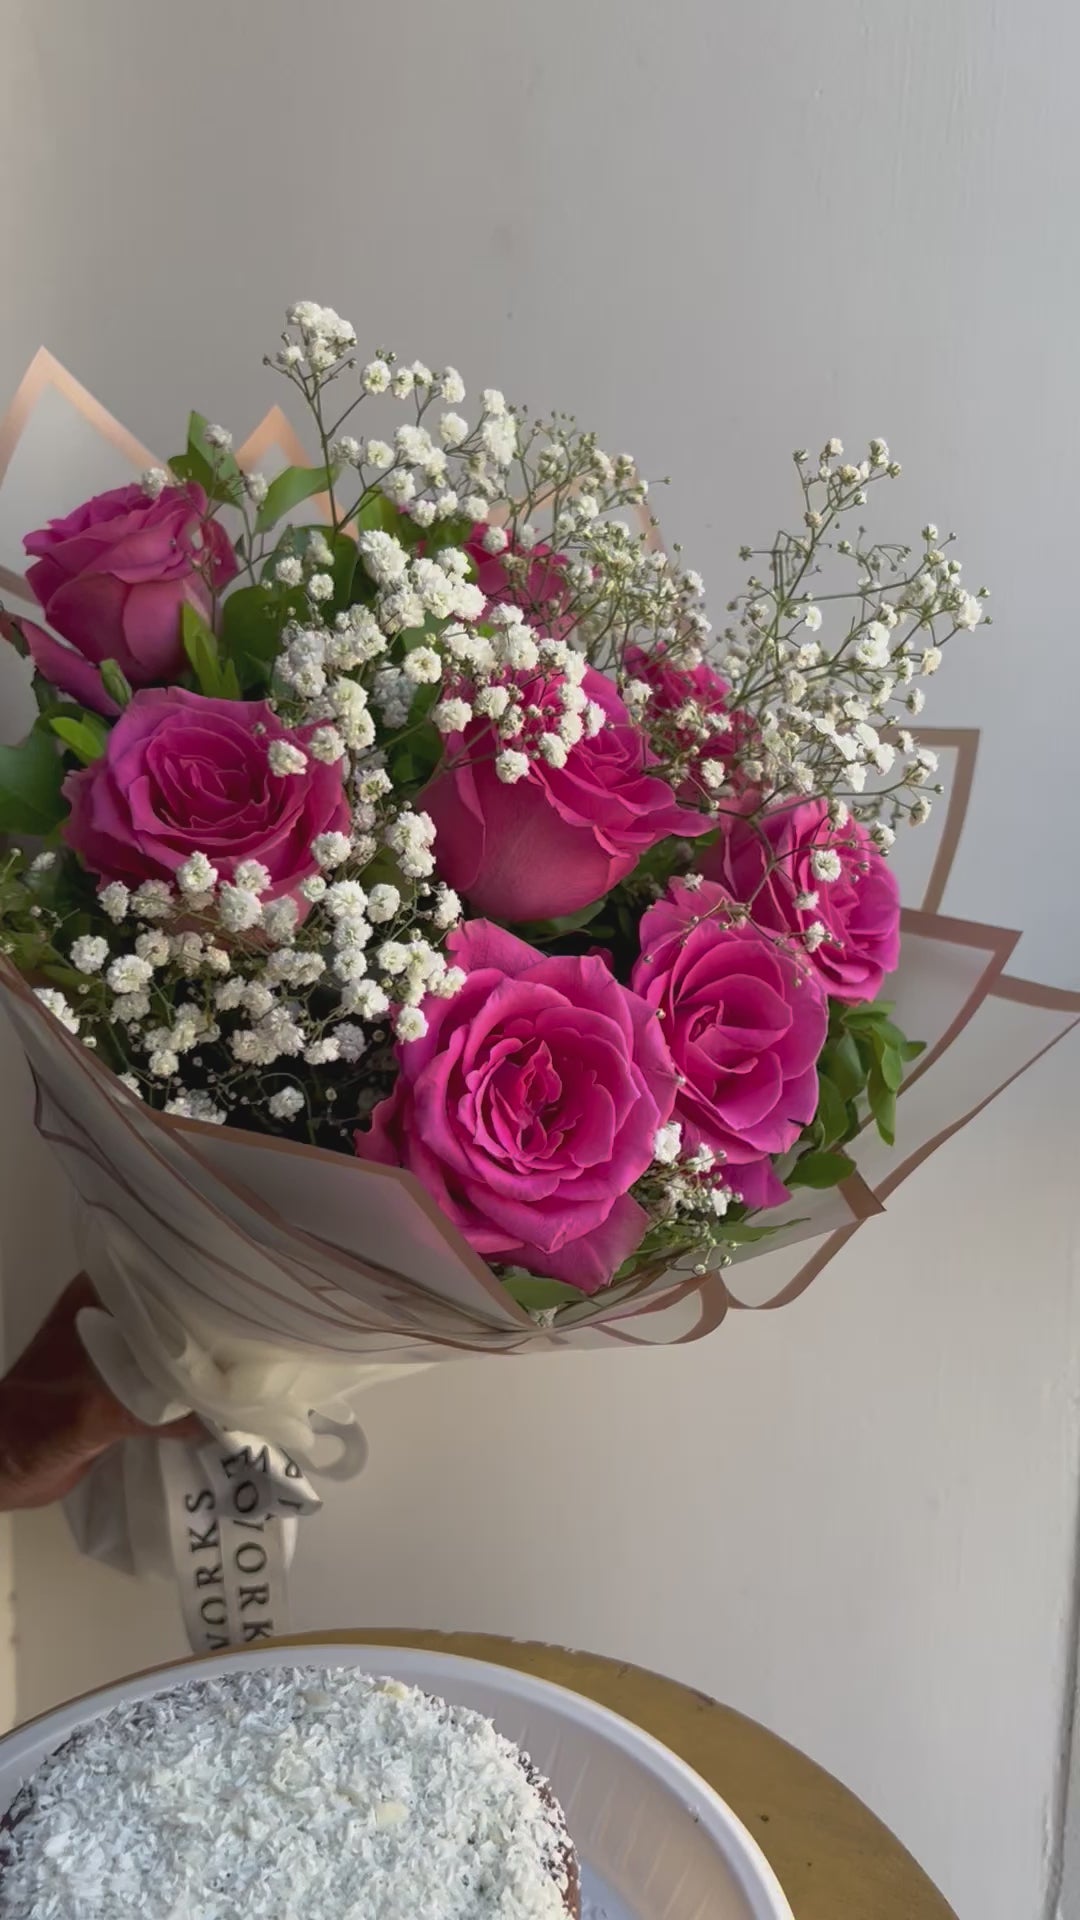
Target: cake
[[284, 1793]]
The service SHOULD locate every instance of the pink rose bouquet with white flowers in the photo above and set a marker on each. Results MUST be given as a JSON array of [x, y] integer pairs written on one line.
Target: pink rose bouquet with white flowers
[[430, 823], [428, 936]]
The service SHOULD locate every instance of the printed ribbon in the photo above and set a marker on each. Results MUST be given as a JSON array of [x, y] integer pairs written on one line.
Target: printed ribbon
[[218, 1516]]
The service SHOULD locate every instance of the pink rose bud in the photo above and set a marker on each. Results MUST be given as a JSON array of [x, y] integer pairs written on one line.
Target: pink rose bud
[[112, 578]]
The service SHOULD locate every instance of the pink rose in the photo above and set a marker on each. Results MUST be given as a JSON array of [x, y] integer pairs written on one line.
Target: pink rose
[[541, 592], [745, 1021], [529, 1107], [112, 578], [674, 686], [182, 774], [769, 862], [558, 839]]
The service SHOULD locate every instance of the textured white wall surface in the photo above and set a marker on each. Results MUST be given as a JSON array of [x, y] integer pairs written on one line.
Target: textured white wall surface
[[716, 232]]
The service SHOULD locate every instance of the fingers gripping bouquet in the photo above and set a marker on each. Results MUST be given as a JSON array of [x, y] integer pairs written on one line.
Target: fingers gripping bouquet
[[406, 806]]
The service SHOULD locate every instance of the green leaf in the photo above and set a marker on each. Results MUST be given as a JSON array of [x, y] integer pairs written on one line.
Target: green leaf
[[820, 1170], [287, 491], [539, 932], [832, 1112], [251, 623], [30, 780], [214, 469], [740, 1234], [201, 647], [535, 1294], [883, 1106], [377, 514], [844, 1067], [891, 1067], [116, 682], [86, 737]]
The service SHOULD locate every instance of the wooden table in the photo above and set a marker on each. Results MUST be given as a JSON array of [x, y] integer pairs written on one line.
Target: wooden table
[[834, 1860]]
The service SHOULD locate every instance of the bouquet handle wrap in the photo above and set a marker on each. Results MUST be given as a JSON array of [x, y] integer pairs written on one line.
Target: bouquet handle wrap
[[218, 1516]]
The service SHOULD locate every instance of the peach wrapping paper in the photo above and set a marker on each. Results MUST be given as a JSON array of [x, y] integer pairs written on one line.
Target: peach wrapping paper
[[262, 1283]]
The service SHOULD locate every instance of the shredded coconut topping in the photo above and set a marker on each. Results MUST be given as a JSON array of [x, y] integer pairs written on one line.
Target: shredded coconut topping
[[286, 1792]]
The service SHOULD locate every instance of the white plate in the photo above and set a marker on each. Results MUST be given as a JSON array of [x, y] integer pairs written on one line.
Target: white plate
[[655, 1842]]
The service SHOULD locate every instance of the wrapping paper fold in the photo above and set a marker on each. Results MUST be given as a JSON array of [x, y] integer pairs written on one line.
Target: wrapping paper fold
[[261, 1283]]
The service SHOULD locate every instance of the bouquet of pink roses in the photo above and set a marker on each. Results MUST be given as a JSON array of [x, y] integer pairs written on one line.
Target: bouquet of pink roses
[[426, 933], [444, 832]]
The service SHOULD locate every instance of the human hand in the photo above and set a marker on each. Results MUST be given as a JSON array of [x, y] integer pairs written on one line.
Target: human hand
[[57, 1416]]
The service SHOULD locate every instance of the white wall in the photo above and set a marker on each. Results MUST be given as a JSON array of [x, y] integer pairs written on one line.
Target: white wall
[[716, 231]]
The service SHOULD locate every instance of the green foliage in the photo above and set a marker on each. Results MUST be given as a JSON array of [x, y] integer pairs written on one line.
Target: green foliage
[[291, 487], [821, 1170], [115, 682], [214, 676], [541, 933], [214, 469], [537, 1295], [251, 623], [84, 734], [30, 780], [859, 1073]]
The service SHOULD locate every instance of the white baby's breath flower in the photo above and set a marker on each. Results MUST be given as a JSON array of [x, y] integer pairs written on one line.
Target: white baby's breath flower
[[352, 1041], [410, 1024], [422, 666], [378, 454], [375, 377], [366, 999], [968, 611], [280, 919], [128, 973], [451, 387], [825, 863], [451, 716], [289, 571], [154, 481], [667, 1142], [321, 586], [286, 758], [163, 1063], [812, 619], [57, 1005], [499, 436], [285, 1104], [813, 936], [219, 437], [452, 429], [554, 749], [383, 901], [253, 875], [330, 849], [713, 773], [326, 744], [447, 909], [931, 660], [393, 957], [196, 874], [476, 507], [89, 953], [511, 767], [384, 557], [239, 908], [153, 947]]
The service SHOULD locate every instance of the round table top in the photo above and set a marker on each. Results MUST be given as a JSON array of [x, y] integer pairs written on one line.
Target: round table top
[[833, 1858]]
